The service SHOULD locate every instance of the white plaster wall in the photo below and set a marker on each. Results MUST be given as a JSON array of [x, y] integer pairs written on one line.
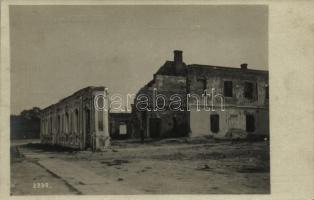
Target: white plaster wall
[[199, 123], [231, 118]]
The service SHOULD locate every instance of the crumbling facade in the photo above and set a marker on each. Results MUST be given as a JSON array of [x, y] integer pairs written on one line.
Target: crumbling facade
[[168, 80], [238, 109], [77, 122], [245, 99]]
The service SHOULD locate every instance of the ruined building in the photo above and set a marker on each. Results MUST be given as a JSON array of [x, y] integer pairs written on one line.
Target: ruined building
[[237, 107], [168, 80], [243, 92], [76, 123]]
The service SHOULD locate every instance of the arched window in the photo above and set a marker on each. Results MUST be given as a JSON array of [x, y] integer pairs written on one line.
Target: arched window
[[59, 124], [67, 120], [71, 122], [100, 114], [50, 125], [62, 123], [46, 126], [266, 91], [77, 127]]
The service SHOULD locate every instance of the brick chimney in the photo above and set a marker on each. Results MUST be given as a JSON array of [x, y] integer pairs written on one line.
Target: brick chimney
[[178, 62], [178, 56], [244, 66]]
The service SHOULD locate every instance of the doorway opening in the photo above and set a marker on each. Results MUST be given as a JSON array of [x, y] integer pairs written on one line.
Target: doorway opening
[[154, 127], [87, 129], [250, 123], [214, 123]]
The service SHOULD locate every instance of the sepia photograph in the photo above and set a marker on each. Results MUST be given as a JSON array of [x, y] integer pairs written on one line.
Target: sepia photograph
[[140, 99], [147, 100]]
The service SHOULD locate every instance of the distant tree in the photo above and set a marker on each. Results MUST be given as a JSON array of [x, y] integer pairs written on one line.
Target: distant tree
[[26, 125], [33, 113]]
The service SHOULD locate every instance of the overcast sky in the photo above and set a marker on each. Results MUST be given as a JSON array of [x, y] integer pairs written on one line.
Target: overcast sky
[[56, 50]]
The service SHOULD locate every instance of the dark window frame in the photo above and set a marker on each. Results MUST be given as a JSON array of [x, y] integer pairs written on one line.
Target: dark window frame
[[67, 123], [251, 93], [251, 125], [228, 88], [203, 82], [214, 123], [100, 115], [267, 91]]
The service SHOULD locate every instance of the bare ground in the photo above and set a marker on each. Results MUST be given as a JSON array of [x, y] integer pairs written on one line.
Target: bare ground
[[172, 166]]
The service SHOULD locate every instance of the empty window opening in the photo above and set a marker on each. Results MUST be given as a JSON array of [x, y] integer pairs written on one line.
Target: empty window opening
[[51, 125], [100, 114], [228, 89], [214, 123], [122, 129], [71, 122], [62, 124], [248, 90], [59, 124], [77, 128], [250, 123], [67, 123], [202, 84], [267, 91]]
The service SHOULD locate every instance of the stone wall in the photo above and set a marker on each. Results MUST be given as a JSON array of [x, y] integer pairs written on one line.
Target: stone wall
[[74, 121]]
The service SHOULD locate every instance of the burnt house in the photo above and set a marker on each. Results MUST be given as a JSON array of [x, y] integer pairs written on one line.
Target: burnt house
[[245, 97], [168, 80], [76, 122], [240, 110]]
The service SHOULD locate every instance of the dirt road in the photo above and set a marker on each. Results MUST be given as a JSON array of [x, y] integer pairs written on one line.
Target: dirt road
[[176, 166]]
